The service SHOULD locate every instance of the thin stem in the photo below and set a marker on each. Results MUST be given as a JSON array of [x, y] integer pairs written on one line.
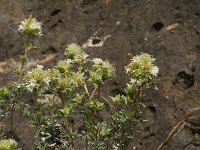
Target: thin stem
[[11, 119], [93, 93], [107, 144], [12, 114], [137, 98], [86, 90], [97, 131], [170, 135], [86, 143], [86, 139], [98, 92], [69, 126], [53, 105], [98, 98], [72, 142], [62, 98], [35, 98], [111, 106], [21, 71], [176, 127]]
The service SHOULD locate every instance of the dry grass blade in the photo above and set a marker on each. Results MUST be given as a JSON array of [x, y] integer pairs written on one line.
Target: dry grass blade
[[176, 129]]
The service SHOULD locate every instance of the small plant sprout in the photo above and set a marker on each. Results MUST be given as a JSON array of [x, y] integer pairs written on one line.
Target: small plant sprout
[[73, 89]]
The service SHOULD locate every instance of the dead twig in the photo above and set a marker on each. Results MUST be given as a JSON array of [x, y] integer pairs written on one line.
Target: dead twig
[[176, 129]]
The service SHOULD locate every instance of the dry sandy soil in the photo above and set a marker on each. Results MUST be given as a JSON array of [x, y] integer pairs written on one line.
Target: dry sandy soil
[[167, 29]]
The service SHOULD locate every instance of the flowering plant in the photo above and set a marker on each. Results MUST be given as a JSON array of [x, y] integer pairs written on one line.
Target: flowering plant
[[31, 26], [73, 87], [8, 145]]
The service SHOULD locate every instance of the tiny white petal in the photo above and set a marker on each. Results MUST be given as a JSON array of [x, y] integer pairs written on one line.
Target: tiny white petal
[[132, 81], [128, 70], [31, 85], [47, 80], [85, 56], [97, 60], [136, 59], [155, 70], [40, 66], [69, 61], [31, 24]]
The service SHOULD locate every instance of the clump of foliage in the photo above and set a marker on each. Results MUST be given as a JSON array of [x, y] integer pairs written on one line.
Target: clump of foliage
[[8, 145], [73, 86]]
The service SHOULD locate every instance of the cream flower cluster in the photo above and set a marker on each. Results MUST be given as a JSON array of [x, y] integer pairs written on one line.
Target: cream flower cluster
[[101, 71], [30, 26], [31, 85], [97, 60], [143, 62], [38, 78], [8, 144], [155, 70], [76, 54], [142, 70]]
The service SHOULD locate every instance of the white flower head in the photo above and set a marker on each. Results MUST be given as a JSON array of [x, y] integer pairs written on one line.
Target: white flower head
[[31, 85], [19, 86], [136, 59], [85, 56], [127, 70], [69, 61], [47, 80], [30, 26], [8, 144], [97, 60], [155, 70], [132, 81], [40, 66], [13, 141]]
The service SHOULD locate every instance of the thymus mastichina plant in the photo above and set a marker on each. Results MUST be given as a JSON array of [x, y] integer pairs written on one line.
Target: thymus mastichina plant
[[8, 144], [73, 87]]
